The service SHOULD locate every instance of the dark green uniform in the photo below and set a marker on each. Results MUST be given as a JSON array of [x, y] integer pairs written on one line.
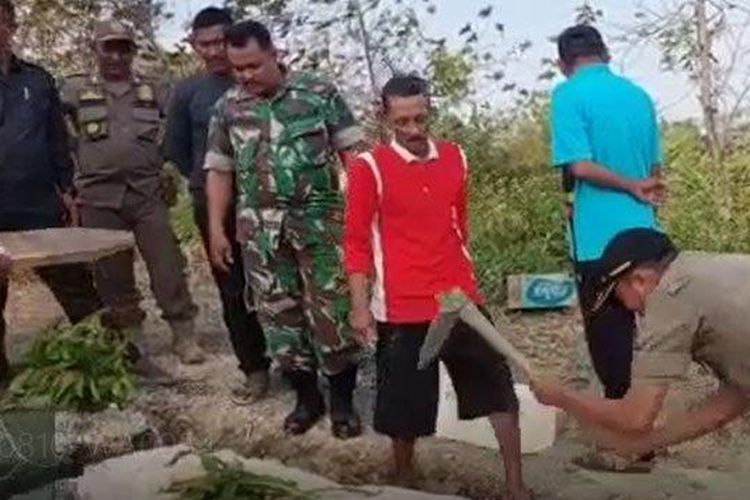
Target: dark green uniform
[[289, 214], [117, 126]]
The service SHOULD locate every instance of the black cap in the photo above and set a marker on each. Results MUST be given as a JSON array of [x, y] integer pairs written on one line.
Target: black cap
[[580, 41], [628, 250]]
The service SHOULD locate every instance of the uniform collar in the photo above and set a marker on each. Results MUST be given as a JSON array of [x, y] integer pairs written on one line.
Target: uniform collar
[[119, 89], [409, 157]]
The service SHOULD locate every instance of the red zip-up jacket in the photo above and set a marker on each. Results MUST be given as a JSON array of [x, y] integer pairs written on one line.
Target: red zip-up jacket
[[406, 227]]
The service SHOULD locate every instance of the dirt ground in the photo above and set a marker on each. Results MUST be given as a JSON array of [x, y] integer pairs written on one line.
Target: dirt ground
[[198, 410]]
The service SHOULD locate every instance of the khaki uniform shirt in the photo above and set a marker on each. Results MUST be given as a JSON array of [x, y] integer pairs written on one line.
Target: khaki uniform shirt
[[698, 312], [117, 127]]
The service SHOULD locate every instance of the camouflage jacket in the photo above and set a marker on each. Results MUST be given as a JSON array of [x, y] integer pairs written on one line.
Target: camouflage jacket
[[282, 149]]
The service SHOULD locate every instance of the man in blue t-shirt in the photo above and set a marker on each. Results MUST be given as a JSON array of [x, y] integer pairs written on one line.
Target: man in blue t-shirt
[[605, 138]]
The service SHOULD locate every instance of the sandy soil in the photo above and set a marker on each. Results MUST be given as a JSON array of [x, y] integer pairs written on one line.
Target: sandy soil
[[198, 410]]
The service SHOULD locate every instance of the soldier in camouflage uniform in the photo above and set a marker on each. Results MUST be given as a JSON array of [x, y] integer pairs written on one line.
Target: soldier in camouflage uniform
[[116, 119], [276, 137]]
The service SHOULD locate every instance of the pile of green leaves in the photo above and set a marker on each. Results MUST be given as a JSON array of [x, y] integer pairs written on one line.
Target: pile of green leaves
[[232, 481], [83, 367]]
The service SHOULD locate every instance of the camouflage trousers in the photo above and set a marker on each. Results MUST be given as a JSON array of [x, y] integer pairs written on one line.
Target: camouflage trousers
[[293, 263]]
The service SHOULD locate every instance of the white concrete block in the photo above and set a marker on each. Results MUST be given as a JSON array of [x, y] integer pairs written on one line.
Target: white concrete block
[[538, 422]]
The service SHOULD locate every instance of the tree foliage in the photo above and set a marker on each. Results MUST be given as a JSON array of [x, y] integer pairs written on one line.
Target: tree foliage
[[706, 40], [363, 42], [58, 33], [516, 201], [588, 13]]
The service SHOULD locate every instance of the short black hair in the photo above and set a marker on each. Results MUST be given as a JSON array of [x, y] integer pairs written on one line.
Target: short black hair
[[239, 34], [212, 16], [581, 41], [404, 86], [8, 11]]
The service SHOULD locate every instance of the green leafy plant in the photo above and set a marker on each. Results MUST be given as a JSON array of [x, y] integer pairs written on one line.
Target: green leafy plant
[[83, 367], [182, 220], [231, 481]]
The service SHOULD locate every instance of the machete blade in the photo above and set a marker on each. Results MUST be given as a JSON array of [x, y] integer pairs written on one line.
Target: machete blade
[[437, 335]]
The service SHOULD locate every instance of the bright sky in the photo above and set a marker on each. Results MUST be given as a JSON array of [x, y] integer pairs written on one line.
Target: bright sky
[[535, 20]]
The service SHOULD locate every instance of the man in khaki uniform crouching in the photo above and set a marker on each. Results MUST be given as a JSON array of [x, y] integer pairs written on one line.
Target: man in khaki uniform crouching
[[117, 120], [691, 307]]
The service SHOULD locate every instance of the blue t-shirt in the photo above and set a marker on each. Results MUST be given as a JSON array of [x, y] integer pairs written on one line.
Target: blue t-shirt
[[603, 118]]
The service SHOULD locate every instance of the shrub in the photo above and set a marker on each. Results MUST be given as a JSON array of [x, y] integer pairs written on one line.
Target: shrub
[[516, 204], [182, 219], [708, 208]]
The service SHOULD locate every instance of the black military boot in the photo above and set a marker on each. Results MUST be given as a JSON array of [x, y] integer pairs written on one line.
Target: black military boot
[[345, 422], [310, 403]]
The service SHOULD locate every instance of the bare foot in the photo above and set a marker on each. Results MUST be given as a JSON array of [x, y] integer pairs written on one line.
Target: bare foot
[[408, 478], [518, 494]]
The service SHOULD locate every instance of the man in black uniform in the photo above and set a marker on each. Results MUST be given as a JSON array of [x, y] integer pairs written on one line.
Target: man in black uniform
[[187, 129], [36, 173]]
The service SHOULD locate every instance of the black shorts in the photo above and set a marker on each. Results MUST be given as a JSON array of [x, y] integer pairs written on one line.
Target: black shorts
[[406, 405]]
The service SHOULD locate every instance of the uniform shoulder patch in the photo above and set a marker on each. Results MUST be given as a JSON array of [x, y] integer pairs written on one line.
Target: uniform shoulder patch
[[80, 87], [90, 90], [145, 92], [76, 79], [76, 74]]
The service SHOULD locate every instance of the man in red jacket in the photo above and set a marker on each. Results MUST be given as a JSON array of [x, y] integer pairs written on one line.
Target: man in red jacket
[[405, 243]]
